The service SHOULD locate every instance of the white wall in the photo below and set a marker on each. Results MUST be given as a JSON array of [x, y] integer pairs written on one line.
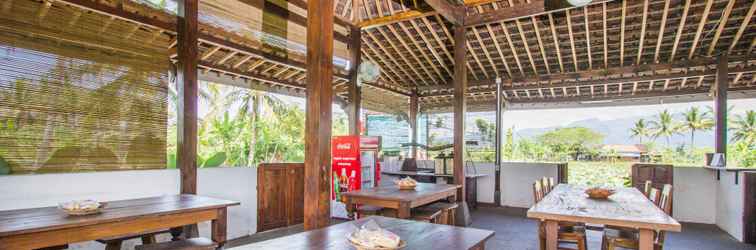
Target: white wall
[[237, 184], [729, 200], [694, 195], [517, 181]]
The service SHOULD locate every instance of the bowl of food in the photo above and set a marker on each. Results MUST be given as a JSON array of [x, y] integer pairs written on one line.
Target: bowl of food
[[82, 207], [372, 237], [599, 193], [406, 183]]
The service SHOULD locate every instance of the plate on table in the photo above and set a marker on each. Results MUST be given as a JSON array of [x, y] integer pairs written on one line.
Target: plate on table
[[82, 207]]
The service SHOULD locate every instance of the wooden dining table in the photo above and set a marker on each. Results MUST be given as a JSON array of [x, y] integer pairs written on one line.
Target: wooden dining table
[[402, 200], [418, 235], [628, 208], [35, 228]]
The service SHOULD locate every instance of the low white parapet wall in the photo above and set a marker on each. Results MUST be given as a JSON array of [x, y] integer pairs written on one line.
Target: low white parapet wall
[[237, 184]]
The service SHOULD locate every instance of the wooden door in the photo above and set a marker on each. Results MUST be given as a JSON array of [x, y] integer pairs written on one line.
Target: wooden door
[[749, 211], [271, 197], [658, 174], [295, 198]]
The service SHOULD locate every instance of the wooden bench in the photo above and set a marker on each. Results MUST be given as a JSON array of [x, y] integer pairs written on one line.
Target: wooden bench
[[114, 243], [368, 210], [427, 214], [188, 244], [447, 216]]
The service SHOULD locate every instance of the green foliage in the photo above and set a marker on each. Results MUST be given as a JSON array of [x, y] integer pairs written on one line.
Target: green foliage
[[4, 167], [214, 160], [744, 129], [696, 120], [640, 130], [665, 126], [574, 141]]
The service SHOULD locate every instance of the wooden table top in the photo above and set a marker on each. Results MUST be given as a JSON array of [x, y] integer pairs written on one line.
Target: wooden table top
[[393, 193], [628, 207], [418, 235], [414, 173], [22, 221]]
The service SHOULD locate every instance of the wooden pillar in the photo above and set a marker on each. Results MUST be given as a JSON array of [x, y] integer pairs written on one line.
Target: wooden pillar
[[317, 202], [355, 92], [186, 83], [497, 161], [413, 109], [187, 86], [460, 90], [720, 106]]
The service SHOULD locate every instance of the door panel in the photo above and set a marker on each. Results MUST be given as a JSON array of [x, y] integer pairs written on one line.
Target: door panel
[[296, 191], [271, 198]]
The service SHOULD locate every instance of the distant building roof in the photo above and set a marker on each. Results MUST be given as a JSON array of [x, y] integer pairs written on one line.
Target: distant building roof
[[623, 148]]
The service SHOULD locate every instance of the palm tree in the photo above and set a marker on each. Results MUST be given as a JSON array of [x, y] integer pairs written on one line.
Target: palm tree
[[744, 128], [640, 130], [665, 126], [696, 120]]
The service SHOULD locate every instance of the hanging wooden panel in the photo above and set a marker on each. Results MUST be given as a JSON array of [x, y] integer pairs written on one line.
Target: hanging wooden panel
[[81, 92]]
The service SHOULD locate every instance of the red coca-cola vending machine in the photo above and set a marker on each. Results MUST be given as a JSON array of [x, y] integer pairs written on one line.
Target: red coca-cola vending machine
[[354, 166]]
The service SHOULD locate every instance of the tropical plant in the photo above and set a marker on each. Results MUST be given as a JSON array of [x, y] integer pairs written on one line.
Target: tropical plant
[[640, 130], [575, 141], [744, 128], [696, 120], [665, 126]]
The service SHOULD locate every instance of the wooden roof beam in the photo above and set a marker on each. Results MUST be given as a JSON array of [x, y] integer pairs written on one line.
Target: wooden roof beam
[[602, 73], [643, 32], [744, 24], [533, 8], [701, 25], [680, 28], [453, 13], [720, 28]]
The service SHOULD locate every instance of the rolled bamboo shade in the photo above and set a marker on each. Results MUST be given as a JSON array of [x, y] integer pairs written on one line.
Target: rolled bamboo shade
[[80, 91]]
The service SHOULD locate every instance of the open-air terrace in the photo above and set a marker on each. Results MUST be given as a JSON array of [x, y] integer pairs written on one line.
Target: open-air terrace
[[273, 124]]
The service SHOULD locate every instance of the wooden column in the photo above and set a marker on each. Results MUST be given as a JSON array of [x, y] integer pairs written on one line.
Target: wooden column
[[460, 90], [413, 108], [720, 106], [317, 202], [497, 161], [187, 86], [355, 92], [186, 83], [460, 107]]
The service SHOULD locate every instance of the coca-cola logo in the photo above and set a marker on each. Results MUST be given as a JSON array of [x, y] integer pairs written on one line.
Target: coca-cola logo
[[345, 146]]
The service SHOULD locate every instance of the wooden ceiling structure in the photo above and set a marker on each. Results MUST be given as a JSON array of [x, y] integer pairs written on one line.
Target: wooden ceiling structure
[[624, 52]]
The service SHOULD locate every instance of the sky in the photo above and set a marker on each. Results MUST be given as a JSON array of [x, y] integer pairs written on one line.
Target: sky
[[524, 119]]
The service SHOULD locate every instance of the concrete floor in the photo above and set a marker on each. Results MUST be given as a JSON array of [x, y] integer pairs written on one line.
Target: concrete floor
[[515, 232]]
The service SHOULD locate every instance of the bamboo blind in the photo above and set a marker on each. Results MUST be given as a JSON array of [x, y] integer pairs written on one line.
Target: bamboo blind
[[80, 92]]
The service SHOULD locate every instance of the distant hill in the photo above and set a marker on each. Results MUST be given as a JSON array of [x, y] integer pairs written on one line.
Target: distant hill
[[617, 131]]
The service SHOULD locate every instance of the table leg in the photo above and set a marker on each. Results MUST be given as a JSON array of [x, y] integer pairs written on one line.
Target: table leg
[[350, 208], [552, 228], [404, 211], [219, 228], [646, 239]]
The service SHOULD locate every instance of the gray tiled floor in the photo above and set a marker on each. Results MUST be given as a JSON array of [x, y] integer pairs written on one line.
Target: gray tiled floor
[[515, 232]]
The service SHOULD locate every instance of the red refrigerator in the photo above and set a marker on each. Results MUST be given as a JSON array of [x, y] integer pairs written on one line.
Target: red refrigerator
[[354, 166]]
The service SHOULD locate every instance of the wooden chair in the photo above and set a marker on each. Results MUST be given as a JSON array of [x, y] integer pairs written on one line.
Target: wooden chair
[[368, 210], [551, 183], [647, 188], [629, 238], [653, 195], [188, 244], [570, 233], [448, 212], [545, 184], [114, 243], [427, 214]]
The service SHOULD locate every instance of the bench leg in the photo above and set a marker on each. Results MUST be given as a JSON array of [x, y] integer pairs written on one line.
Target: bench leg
[[115, 245], [149, 239]]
